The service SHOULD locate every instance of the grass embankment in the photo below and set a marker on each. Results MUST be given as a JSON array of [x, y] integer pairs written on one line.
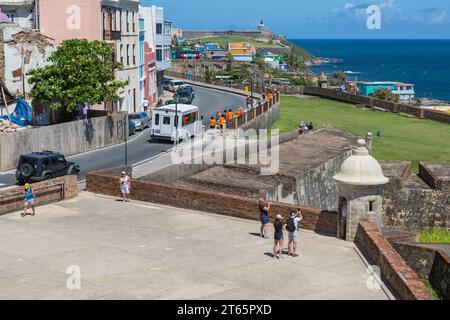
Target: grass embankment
[[403, 137], [435, 236], [224, 40]]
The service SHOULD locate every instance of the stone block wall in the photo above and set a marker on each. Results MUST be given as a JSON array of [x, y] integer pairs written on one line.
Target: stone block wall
[[399, 277], [211, 202], [58, 189], [440, 275], [420, 259], [67, 138]]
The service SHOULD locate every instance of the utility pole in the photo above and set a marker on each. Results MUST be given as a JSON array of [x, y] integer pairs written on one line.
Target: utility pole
[[176, 98]]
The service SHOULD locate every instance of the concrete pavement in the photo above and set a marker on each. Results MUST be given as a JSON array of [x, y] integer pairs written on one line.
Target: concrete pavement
[[142, 251]]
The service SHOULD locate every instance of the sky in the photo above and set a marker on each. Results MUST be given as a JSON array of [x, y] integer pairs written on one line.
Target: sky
[[315, 19]]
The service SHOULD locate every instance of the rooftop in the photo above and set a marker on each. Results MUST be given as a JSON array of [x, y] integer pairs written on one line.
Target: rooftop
[[395, 83], [126, 251]]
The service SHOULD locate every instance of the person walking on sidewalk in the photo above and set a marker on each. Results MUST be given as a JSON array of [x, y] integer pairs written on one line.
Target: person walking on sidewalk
[[264, 211], [125, 187], [293, 228], [278, 237], [29, 201]]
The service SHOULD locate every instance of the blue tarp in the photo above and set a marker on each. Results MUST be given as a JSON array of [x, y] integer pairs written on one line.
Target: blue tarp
[[22, 115]]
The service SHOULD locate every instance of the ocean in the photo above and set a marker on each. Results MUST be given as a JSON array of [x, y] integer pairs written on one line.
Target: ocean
[[426, 63]]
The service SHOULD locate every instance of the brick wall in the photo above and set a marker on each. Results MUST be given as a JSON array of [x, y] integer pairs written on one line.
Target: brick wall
[[401, 279], [182, 197], [58, 189]]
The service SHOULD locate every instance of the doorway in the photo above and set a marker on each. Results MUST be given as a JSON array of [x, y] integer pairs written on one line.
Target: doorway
[[342, 219]]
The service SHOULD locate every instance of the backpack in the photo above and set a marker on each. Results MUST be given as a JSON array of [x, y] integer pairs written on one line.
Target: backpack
[[291, 225]]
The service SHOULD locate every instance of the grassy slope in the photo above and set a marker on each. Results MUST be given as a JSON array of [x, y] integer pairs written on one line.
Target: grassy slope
[[403, 137], [223, 41], [435, 236]]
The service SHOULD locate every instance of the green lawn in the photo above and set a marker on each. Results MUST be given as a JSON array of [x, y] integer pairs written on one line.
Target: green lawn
[[435, 236], [224, 40], [403, 137]]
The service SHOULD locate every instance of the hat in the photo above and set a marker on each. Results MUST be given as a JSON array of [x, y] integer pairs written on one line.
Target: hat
[[124, 173], [280, 217], [27, 186]]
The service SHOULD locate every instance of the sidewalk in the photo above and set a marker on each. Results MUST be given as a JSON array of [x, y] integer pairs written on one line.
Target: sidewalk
[[142, 251]]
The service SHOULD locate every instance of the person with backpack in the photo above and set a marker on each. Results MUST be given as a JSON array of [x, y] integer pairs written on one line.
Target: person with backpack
[[264, 210], [293, 228], [279, 237]]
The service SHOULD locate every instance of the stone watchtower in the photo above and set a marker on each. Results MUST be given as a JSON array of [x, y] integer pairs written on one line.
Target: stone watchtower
[[360, 184]]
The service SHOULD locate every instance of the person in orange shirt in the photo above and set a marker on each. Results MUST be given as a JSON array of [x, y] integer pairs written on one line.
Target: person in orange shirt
[[238, 113], [270, 96], [212, 123], [230, 115], [222, 121]]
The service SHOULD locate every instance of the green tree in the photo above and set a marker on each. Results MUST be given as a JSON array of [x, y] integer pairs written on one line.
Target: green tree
[[340, 76], [385, 94], [79, 70], [229, 63]]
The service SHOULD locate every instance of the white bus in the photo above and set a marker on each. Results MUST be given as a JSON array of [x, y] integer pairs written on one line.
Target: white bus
[[164, 122]]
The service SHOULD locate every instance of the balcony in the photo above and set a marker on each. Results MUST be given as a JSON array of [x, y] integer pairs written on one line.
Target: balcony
[[163, 65], [112, 35]]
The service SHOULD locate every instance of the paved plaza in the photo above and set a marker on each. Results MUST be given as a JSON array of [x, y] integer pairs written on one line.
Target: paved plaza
[[143, 251]]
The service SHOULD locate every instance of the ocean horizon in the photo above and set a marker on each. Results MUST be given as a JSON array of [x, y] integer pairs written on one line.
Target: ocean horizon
[[423, 62]]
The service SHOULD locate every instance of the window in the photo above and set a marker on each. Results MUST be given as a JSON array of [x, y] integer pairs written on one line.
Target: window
[[159, 28], [128, 20], [134, 54], [133, 21], [157, 119], [46, 163], [128, 54], [11, 16], [371, 206], [166, 121], [159, 55], [121, 53]]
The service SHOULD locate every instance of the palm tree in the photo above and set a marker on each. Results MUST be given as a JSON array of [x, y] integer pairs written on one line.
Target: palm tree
[[340, 76]]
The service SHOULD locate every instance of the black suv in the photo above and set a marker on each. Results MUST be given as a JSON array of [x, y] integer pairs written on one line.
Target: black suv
[[40, 166], [185, 95]]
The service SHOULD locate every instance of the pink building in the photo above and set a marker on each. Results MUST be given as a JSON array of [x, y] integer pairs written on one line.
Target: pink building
[[69, 19], [150, 71]]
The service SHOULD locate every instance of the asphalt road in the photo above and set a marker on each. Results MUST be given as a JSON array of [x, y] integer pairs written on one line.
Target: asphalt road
[[140, 147]]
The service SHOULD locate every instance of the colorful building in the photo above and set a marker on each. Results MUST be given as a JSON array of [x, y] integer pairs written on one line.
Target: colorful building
[[404, 90], [158, 34], [212, 51], [242, 51]]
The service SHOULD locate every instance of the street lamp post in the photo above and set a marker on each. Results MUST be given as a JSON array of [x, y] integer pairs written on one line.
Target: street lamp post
[[176, 98]]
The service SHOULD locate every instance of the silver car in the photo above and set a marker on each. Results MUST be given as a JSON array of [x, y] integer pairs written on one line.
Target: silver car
[[141, 120]]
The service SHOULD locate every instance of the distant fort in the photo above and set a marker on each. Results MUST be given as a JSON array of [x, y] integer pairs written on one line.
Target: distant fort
[[262, 34]]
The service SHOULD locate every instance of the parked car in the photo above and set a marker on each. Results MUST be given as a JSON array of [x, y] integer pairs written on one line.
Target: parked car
[[186, 94], [175, 84], [131, 128], [141, 120], [40, 166]]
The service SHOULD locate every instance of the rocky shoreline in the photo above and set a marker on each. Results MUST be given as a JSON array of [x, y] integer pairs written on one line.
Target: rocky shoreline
[[320, 60]]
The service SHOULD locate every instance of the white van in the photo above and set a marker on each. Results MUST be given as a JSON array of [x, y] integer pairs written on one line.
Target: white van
[[164, 122]]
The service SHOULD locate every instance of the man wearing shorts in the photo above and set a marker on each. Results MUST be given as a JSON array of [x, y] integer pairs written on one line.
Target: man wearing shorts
[[294, 235], [29, 201], [264, 211], [125, 186]]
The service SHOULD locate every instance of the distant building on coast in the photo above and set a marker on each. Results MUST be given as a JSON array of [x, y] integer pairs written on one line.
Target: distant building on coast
[[404, 90], [242, 51]]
